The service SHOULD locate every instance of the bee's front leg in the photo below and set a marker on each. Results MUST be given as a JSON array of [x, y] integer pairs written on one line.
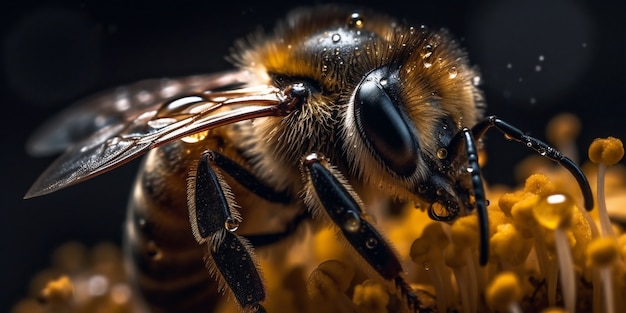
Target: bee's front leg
[[331, 198], [214, 218]]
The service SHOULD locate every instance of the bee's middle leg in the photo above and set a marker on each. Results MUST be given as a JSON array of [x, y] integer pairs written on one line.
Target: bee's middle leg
[[330, 196], [214, 218]]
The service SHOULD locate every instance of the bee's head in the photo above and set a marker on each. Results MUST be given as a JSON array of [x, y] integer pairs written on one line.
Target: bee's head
[[385, 97], [405, 110]]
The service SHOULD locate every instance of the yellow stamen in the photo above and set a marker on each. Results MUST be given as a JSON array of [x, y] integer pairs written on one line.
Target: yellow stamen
[[509, 246], [503, 291], [555, 212], [539, 184], [608, 150], [602, 253]]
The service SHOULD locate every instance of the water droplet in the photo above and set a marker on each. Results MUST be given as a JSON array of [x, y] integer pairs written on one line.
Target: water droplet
[[427, 51], [442, 153], [231, 224], [371, 242], [470, 169], [427, 64], [352, 222], [452, 72], [541, 58], [537, 68], [355, 20], [529, 144], [421, 189], [426, 266], [440, 191], [555, 211], [335, 37], [195, 138], [249, 298], [542, 151], [509, 65], [383, 82]]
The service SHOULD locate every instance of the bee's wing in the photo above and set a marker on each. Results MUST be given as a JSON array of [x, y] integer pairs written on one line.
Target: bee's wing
[[119, 106], [129, 131]]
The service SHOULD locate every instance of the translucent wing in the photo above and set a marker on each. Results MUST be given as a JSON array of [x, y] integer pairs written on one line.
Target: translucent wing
[[119, 106], [111, 129]]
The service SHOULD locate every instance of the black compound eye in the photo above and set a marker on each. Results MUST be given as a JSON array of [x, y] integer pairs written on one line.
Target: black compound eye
[[383, 125]]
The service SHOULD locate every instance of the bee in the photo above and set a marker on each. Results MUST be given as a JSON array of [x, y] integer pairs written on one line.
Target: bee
[[335, 110]]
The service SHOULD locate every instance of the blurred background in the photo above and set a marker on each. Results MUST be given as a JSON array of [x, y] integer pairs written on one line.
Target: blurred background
[[537, 58]]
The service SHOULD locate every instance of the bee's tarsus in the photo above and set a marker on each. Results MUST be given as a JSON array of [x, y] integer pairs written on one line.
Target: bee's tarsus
[[238, 269]]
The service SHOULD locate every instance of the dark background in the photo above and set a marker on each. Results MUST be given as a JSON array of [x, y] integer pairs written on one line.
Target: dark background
[[537, 57]]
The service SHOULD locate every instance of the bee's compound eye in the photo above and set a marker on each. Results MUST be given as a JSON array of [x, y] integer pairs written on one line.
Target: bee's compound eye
[[384, 126]]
